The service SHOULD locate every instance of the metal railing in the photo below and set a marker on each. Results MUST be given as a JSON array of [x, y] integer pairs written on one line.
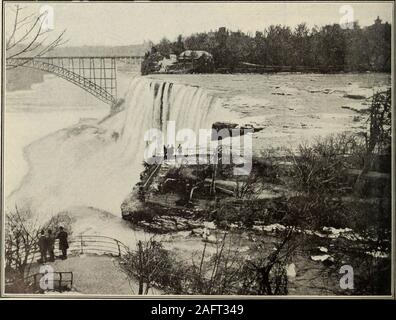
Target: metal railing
[[55, 281], [97, 244], [200, 155], [81, 244]]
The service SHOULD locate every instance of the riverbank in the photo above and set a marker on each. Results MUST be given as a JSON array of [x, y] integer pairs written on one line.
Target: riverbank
[[307, 201], [87, 171], [94, 275]]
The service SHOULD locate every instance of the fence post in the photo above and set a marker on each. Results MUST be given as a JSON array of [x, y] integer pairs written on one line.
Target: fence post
[[82, 244]]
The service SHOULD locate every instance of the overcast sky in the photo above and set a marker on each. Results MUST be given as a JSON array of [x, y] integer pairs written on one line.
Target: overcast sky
[[132, 23]]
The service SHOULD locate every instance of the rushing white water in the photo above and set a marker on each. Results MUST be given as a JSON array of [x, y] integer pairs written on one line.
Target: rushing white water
[[85, 165], [153, 103]]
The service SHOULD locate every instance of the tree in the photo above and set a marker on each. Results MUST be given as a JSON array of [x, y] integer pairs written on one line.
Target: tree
[[21, 238], [266, 273], [356, 53], [29, 36], [150, 264], [279, 44], [164, 47], [259, 49], [22, 232], [328, 48], [239, 47], [378, 137], [178, 45], [379, 45], [301, 44], [332, 46]]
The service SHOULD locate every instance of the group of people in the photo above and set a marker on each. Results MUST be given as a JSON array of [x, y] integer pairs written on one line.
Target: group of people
[[46, 243], [169, 151]]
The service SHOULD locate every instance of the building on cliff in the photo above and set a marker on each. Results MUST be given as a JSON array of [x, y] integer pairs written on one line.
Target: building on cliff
[[189, 61]]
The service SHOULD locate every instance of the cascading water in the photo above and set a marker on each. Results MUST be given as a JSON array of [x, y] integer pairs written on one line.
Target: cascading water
[[86, 166], [153, 103]]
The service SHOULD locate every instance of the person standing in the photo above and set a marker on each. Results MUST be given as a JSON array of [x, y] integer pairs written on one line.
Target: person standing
[[63, 243], [179, 149], [179, 153], [165, 153], [171, 151], [43, 246], [51, 245]]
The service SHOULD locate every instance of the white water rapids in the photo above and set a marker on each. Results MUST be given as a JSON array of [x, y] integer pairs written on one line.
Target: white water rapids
[[86, 166], [83, 170]]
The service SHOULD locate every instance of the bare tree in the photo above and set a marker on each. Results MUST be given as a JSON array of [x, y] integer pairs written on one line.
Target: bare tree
[[21, 238], [22, 230], [219, 273], [150, 264], [29, 37], [266, 273], [378, 137]]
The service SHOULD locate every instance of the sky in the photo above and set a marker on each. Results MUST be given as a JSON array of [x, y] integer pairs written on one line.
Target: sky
[[132, 23]]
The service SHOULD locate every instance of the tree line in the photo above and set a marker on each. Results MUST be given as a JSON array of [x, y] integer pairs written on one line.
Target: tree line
[[346, 49]]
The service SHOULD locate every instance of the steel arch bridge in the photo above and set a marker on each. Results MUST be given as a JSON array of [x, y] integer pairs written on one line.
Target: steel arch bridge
[[96, 75]]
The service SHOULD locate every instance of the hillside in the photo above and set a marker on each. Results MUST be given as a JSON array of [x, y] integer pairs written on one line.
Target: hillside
[[85, 51], [129, 50]]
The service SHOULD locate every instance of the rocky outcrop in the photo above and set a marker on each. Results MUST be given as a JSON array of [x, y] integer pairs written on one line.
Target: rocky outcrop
[[233, 127]]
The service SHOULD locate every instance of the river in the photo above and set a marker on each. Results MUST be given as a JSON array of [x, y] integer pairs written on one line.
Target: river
[[288, 105], [47, 107], [84, 172]]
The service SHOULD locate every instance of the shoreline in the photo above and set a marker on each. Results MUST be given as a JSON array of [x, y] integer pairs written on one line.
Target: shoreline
[[78, 169]]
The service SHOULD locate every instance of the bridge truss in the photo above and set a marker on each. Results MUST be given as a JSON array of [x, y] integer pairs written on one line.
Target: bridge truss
[[96, 75]]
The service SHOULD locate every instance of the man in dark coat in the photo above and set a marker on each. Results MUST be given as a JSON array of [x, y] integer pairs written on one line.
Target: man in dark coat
[[51, 245], [43, 246], [165, 153], [63, 244]]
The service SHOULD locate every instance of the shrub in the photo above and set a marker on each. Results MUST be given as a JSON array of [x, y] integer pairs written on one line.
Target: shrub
[[321, 168]]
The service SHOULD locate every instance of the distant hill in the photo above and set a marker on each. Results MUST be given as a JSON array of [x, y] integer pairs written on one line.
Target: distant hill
[[130, 50], [86, 51]]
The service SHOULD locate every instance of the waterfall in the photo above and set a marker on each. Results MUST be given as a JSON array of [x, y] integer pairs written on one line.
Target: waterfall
[[152, 103], [86, 166]]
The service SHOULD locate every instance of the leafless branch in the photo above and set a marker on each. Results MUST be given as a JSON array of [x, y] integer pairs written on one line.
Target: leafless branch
[[32, 39]]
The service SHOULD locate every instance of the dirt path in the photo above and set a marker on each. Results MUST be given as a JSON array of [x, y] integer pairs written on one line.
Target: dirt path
[[96, 275]]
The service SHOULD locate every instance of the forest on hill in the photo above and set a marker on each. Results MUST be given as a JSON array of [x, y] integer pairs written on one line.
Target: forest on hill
[[348, 49]]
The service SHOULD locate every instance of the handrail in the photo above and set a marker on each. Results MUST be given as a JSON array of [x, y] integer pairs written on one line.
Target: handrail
[[60, 281], [200, 151], [96, 244]]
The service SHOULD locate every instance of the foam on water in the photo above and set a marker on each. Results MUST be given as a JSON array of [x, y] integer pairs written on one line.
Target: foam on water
[[85, 166]]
